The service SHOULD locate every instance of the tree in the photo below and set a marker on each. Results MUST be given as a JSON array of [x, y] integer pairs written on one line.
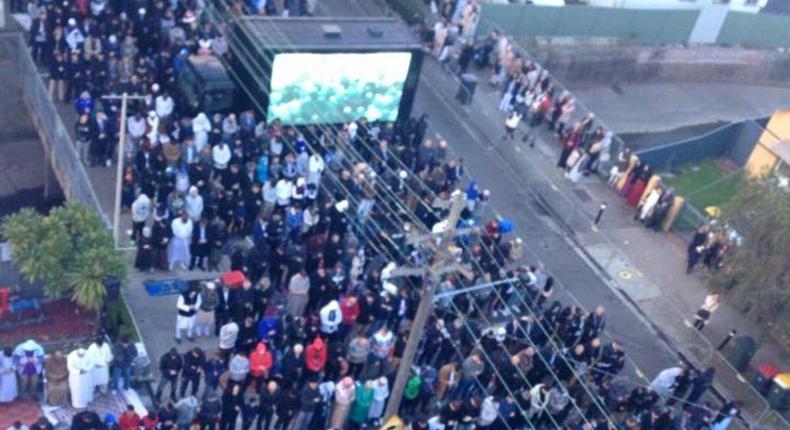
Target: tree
[[69, 250], [38, 244], [757, 273]]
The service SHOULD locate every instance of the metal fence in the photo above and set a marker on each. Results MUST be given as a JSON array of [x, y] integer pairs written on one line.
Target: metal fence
[[59, 147], [733, 141], [638, 25]]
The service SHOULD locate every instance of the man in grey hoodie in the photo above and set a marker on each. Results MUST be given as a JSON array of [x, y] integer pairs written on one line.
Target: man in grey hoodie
[[187, 410]]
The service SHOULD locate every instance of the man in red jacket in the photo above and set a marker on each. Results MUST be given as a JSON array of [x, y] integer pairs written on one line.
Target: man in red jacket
[[349, 309], [261, 362], [315, 356], [129, 420]]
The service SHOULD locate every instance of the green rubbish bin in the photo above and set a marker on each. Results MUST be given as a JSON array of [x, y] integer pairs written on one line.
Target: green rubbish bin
[[779, 396], [740, 352]]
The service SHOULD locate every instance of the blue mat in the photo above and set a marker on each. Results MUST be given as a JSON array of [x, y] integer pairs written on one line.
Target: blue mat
[[165, 287]]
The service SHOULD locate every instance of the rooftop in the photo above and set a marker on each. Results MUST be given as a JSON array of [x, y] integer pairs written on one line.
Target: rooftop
[[331, 33]]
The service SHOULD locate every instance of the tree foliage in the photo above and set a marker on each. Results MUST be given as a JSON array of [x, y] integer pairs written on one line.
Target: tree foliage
[[757, 273], [69, 250]]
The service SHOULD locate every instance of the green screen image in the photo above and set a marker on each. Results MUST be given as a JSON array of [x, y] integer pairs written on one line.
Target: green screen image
[[310, 88]]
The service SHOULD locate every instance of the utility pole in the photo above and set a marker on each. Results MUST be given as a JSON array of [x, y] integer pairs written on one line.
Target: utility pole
[[441, 242], [124, 98]]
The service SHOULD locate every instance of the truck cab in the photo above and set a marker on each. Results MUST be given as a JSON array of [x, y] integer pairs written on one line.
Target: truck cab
[[205, 86]]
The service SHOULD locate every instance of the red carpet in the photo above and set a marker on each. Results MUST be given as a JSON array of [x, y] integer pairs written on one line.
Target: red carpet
[[26, 411]]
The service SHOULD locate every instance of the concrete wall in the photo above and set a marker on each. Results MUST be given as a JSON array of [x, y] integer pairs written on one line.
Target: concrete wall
[[603, 62]]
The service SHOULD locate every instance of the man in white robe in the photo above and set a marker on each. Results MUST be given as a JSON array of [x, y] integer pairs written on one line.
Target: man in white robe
[[80, 378], [179, 245], [188, 304], [100, 354]]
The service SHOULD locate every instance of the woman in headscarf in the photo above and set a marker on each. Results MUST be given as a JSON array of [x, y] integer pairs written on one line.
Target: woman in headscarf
[[144, 261], [57, 379], [194, 204]]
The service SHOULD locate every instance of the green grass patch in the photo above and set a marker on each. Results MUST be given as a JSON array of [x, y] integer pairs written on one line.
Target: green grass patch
[[705, 184]]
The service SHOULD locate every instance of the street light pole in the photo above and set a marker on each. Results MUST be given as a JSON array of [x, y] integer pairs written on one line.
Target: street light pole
[[119, 168]]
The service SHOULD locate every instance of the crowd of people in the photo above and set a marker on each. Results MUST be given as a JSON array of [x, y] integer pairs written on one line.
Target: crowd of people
[[314, 219]]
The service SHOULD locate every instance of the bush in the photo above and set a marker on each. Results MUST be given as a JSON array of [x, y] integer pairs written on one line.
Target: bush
[[118, 322]]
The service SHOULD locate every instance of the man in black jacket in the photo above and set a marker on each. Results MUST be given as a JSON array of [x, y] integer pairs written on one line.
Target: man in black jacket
[[270, 398], [200, 244], [209, 411], [39, 36], [170, 366], [193, 370], [123, 359], [309, 400], [222, 312]]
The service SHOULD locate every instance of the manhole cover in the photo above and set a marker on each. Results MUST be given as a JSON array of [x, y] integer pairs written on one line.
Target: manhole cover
[[625, 275]]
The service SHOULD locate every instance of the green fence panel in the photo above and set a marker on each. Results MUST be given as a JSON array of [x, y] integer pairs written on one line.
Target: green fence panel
[[576, 21], [677, 25], [736, 28], [539, 21], [760, 30], [615, 23], [770, 31], [646, 26]]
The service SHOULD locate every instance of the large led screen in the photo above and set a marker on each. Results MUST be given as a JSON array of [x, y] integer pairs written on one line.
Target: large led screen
[[310, 88]]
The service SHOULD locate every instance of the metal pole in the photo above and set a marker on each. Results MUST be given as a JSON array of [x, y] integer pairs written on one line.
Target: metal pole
[[441, 259], [415, 336], [119, 171], [726, 340], [600, 213]]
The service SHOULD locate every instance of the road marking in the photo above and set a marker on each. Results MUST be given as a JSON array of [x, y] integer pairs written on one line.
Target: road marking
[[553, 187], [740, 377], [687, 323], [518, 148], [639, 373], [595, 228], [625, 275]]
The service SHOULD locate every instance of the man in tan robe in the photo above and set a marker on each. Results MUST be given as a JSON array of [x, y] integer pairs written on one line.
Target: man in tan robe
[[57, 374]]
